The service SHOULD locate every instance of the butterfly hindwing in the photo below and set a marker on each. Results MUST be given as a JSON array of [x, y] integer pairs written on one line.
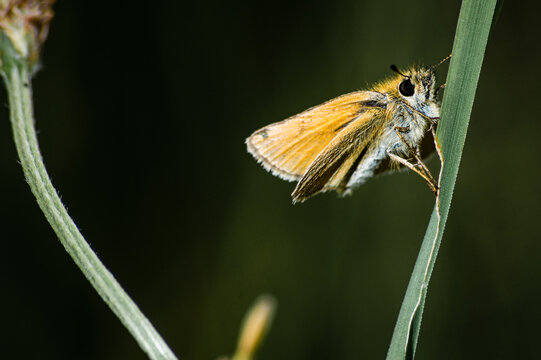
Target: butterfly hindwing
[[333, 167]]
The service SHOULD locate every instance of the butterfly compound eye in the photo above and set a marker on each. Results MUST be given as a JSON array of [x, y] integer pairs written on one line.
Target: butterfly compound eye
[[406, 88]]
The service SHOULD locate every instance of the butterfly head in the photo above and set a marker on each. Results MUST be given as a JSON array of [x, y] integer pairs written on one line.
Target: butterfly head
[[416, 87]]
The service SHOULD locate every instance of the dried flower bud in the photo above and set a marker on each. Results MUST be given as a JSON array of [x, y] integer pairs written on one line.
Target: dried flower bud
[[25, 24]]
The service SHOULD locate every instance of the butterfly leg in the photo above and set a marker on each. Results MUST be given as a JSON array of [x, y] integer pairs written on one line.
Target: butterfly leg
[[415, 152], [420, 168], [429, 181]]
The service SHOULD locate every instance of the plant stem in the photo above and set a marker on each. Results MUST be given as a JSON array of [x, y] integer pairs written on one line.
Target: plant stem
[[17, 78]]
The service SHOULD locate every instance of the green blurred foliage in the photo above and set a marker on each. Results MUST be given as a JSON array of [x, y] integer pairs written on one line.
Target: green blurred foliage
[[143, 110]]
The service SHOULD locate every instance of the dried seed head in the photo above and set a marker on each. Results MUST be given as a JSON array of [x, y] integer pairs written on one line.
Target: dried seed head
[[25, 23]]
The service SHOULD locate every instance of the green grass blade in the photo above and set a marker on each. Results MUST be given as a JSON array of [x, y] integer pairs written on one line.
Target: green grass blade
[[471, 37]]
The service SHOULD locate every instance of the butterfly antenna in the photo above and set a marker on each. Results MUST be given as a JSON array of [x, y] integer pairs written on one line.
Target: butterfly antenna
[[395, 69], [441, 62]]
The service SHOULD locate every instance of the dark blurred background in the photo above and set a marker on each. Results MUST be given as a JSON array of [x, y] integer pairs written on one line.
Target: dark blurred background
[[142, 110]]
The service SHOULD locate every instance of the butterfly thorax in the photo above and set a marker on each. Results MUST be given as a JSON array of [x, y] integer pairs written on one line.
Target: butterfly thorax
[[412, 113]]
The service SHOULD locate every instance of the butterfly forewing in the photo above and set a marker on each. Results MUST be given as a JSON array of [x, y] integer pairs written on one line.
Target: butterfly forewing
[[288, 148]]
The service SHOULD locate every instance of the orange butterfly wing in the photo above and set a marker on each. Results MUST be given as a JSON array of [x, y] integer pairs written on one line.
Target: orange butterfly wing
[[288, 148], [333, 167]]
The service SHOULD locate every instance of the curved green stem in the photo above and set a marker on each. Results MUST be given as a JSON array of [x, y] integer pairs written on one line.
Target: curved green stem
[[17, 78]]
